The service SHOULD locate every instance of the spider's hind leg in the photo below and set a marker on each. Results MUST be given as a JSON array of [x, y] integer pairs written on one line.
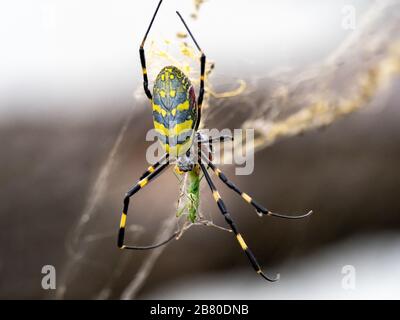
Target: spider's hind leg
[[151, 173], [259, 208], [232, 225]]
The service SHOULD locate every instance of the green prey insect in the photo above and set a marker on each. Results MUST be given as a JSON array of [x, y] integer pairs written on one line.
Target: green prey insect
[[176, 118], [193, 196]]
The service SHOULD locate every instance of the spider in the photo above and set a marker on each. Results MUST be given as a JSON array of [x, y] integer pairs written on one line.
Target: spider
[[176, 118]]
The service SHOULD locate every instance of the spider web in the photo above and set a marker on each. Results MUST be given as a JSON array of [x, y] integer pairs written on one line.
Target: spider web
[[290, 104]]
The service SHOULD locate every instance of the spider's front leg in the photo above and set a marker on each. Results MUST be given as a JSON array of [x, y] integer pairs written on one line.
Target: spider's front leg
[[143, 57]]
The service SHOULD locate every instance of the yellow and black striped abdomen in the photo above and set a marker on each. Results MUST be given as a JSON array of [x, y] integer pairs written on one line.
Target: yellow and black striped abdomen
[[174, 110]]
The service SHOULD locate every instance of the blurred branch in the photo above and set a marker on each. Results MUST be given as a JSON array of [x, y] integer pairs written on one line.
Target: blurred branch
[[346, 82]]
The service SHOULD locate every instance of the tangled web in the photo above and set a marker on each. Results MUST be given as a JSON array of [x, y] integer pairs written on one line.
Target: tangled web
[[287, 105]]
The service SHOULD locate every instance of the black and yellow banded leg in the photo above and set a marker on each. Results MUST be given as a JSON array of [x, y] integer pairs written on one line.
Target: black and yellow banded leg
[[201, 90], [141, 184], [233, 226], [221, 138], [202, 73], [143, 58], [153, 167], [259, 208], [144, 72]]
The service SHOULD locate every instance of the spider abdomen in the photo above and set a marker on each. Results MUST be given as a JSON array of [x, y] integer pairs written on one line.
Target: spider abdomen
[[174, 110]]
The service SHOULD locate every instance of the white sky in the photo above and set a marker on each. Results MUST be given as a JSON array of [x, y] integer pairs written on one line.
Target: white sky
[[77, 50]]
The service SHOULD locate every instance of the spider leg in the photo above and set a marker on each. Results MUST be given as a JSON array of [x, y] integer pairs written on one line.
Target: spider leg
[[260, 209], [221, 138], [233, 226], [141, 184], [143, 58], [202, 72], [153, 167]]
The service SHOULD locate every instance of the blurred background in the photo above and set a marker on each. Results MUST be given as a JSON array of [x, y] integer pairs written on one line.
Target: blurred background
[[318, 80]]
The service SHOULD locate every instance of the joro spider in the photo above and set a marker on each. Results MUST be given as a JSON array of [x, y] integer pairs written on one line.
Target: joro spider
[[176, 117]]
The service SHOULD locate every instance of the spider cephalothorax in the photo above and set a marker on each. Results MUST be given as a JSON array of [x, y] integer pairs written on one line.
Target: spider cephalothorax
[[176, 117]]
